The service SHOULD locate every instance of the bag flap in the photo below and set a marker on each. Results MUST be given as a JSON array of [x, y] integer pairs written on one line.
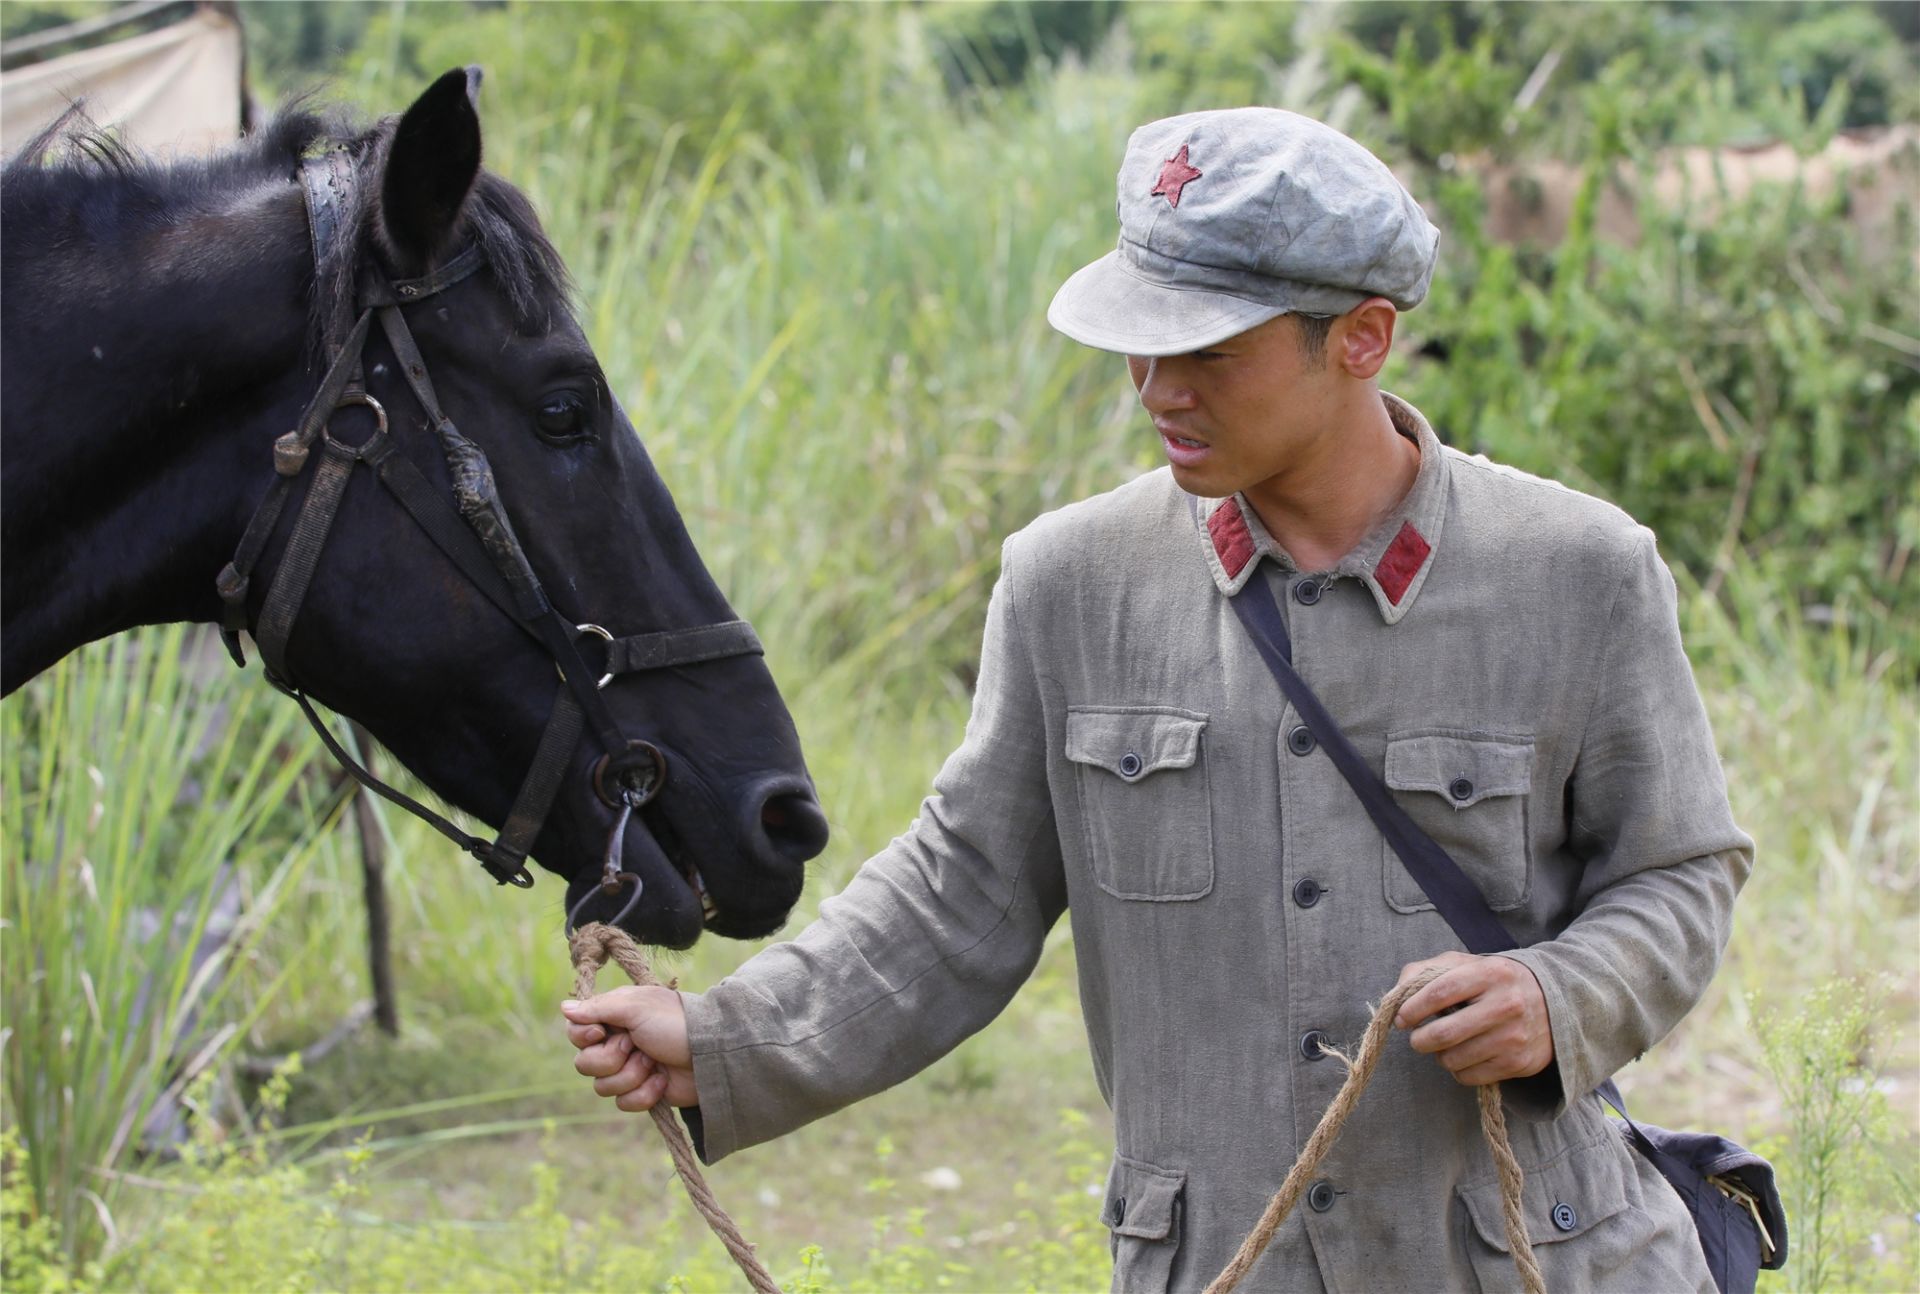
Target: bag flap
[[1142, 1200], [1133, 741], [1711, 1155], [1564, 1197], [1463, 770]]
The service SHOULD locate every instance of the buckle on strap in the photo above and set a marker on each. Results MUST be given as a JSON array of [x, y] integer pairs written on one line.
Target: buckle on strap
[[504, 872], [597, 632]]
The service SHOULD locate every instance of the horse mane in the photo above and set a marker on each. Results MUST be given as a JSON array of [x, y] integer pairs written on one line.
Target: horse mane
[[76, 162]]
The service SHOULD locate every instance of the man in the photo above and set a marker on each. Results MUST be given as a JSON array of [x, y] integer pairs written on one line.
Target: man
[[1502, 650]]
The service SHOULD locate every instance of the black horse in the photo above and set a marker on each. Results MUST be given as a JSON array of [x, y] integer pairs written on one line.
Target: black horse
[[165, 325]]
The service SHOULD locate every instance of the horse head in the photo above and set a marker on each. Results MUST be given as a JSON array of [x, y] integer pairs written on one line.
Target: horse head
[[500, 588]]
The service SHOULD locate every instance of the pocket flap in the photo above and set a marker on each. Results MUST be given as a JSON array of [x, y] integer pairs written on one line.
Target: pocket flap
[[1462, 770], [1574, 1191], [1142, 1200], [1133, 741]]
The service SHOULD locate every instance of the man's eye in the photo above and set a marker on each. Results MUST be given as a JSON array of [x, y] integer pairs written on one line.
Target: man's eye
[[564, 418]]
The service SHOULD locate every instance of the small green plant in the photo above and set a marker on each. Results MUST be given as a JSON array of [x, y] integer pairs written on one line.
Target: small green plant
[[1845, 1162], [31, 1255]]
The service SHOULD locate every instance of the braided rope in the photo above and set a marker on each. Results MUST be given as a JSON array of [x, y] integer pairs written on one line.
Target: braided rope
[[1360, 1069], [592, 947]]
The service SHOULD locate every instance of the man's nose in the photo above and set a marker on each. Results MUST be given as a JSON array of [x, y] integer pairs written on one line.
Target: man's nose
[[1162, 384]]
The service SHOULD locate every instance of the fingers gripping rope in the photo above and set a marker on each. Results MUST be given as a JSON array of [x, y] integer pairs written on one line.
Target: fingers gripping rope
[[594, 946], [1493, 1125]]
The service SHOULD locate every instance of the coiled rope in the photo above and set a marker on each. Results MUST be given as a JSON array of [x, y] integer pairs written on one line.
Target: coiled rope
[[1493, 1124], [594, 946]]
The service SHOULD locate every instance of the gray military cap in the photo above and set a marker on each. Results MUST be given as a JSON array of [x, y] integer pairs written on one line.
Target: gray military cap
[[1230, 218]]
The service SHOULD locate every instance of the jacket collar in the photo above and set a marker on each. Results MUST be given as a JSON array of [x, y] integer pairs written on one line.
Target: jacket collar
[[1392, 560]]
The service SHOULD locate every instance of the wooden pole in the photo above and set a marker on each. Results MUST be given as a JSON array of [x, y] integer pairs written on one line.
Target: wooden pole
[[373, 868]]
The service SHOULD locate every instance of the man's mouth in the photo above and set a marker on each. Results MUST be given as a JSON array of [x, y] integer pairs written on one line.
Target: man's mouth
[[1184, 451]]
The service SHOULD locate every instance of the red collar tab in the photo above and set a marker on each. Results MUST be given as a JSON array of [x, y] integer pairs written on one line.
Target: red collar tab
[[1401, 562], [1175, 175], [1232, 541]]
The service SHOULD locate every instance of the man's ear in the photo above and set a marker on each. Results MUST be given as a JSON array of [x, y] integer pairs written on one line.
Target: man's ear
[[1363, 338], [431, 167]]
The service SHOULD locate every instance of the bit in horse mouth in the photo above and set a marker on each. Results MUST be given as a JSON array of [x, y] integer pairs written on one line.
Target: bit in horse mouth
[[670, 846]]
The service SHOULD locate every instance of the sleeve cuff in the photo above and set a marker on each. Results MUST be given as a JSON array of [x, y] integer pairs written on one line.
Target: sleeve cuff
[[710, 1123], [1548, 1094]]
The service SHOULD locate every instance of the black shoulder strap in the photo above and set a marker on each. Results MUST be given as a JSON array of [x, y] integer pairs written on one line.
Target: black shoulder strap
[[1453, 893]]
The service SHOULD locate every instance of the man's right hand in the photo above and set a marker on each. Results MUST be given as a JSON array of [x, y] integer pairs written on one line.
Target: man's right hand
[[633, 1045]]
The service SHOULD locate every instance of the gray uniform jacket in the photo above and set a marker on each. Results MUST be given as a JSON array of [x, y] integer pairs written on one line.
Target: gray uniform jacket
[[1505, 652]]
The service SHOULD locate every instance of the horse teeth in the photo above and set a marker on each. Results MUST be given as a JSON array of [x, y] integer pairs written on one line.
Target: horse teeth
[[708, 908]]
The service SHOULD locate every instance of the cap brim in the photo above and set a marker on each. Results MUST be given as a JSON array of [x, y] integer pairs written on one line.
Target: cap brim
[[1107, 306]]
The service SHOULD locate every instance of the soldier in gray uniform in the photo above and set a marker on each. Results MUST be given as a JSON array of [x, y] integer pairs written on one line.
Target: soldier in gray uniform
[[1502, 650]]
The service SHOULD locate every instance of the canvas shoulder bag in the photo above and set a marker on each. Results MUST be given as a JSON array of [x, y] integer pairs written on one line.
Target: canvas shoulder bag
[[1728, 1189]]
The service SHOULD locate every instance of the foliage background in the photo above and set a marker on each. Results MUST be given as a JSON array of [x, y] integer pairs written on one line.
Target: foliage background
[[814, 245]]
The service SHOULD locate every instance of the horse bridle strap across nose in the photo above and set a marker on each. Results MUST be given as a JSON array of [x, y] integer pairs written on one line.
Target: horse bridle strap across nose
[[473, 531]]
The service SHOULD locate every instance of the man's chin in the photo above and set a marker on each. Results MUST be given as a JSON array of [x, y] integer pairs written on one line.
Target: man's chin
[[1202, 481]]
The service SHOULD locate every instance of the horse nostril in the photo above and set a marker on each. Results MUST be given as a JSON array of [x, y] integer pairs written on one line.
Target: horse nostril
[[794, 825]]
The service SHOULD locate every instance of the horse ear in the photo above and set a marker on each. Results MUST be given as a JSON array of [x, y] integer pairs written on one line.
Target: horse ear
[[431, 167]]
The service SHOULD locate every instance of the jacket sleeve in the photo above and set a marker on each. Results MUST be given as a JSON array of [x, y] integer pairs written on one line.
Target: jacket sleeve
[[1648, 815], [925, 945]]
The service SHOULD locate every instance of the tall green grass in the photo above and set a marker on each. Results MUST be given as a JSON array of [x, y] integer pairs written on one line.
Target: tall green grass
[[141, 783]]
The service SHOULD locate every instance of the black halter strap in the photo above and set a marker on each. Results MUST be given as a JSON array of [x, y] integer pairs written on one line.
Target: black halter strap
[[472, 530]]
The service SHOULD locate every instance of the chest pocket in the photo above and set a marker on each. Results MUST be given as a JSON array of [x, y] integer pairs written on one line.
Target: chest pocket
[[1140, 776], [1470, 795]]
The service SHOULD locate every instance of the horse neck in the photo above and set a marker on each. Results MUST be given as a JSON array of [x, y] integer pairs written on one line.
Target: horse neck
[[146, 377]]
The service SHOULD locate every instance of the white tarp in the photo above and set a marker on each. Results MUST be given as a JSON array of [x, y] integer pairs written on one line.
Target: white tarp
[[175, 90]]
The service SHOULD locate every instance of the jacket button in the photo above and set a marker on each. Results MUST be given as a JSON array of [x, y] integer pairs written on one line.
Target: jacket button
[[1320, 1196], [1312, 1045], [1129, 765], [1300, 740], [1119, 1210], [1564, 1217], [1307, 892], [1307, 592], [1461, 789]]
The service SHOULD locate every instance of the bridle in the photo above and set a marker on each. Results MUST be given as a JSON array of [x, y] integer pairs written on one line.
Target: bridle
[[474, 532]]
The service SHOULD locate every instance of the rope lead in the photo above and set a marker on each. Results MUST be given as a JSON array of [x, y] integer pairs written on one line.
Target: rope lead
[[1493, 1124], [594, 946]]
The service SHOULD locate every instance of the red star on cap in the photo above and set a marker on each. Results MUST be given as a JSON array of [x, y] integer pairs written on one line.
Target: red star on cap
[[1175, 175]]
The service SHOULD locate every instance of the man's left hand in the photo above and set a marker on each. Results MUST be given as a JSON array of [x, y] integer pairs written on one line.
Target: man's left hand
[[1500, 1029]]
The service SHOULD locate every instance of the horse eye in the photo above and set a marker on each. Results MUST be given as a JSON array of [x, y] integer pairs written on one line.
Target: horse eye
[[564, 418]]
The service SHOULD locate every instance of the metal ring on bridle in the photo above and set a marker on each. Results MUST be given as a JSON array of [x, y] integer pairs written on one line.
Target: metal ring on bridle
[[573, 913], [598, 632], [621, 790], [351, 398]]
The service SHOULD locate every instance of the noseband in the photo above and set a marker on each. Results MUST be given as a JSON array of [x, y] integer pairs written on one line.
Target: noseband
[[473, 531]]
